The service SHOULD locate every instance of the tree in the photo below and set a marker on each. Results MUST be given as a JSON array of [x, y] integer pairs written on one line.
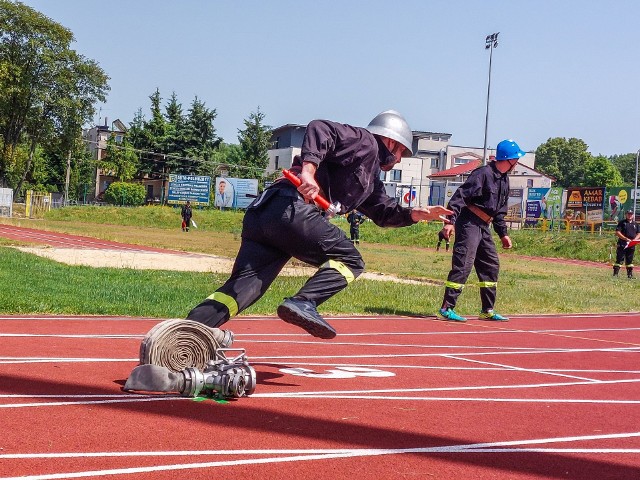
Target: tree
[[600, 172], [254, 142], [626, 165], [120, 159], [46, 88], [563, 159]]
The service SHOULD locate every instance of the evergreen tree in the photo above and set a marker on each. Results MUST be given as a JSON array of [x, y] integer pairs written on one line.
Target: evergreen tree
[[254, 142]]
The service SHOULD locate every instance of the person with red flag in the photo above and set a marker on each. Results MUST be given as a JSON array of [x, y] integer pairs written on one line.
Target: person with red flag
[[627, 231]]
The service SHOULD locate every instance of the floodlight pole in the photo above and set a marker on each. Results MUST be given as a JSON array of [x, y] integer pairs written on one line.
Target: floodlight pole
[[491, 42], [635, 192]]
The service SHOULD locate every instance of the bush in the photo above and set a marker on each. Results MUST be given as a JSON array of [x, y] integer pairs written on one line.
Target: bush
[[121, 193]]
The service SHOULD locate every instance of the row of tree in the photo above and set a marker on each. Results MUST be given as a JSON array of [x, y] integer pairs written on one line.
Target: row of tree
[[172, 141], [570, 163], [48, 92]]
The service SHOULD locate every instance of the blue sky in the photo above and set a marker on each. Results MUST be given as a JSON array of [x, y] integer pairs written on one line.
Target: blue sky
[[563, 68]]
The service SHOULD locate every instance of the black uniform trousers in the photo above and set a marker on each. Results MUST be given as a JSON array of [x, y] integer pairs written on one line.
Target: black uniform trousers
[[277, 226], [624, 256], [473, 247], [354, 231]]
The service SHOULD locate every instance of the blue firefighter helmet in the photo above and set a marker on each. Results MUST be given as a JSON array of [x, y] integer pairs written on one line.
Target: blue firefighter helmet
[[508, 150]]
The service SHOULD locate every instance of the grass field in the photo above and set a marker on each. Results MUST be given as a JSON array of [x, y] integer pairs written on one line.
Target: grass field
[[36, 285]]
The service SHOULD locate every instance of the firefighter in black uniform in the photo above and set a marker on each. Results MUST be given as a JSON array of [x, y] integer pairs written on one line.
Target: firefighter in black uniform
[[355, 218], [342, 163], [626, 230], [481, 200]]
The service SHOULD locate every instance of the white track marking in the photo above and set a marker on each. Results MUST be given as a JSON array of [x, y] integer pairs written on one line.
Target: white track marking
[[71, 335], [420, 355], [325, 455], [344, 394], [520, 369], [445, 389], [123, 399], [66, 360]]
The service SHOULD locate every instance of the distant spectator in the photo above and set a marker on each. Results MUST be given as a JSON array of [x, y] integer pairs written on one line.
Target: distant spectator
[[186, 213], [626, 231], [355, 218]]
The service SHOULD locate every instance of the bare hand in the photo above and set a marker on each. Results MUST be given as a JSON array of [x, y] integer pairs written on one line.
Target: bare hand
[[506, 242], [448, 230], [429, 213], [309, 188]]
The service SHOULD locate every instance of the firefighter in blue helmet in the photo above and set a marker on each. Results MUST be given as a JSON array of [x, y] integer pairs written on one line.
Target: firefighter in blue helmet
[[342, 163], [479, 202]]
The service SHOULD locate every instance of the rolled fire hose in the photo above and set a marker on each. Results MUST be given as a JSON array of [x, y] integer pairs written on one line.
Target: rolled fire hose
[[178, 344]]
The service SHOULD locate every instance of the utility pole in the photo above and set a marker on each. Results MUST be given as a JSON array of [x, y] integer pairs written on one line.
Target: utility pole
[[491, 42]]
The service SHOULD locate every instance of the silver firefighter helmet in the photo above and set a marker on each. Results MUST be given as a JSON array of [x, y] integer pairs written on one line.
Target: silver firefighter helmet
[[391, 124]]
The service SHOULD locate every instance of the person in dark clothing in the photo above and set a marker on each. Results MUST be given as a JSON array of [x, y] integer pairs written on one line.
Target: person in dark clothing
[[443, 237], [355, 218], [186, 213], [343, 164], [626, 231], [481, 200]]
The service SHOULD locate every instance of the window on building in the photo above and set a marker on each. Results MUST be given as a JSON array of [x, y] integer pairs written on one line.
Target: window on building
[[119, 138], [277, 162], [434, 162], [383, 176], [460, 161], [276, 143], [530, 182], [395, 175]]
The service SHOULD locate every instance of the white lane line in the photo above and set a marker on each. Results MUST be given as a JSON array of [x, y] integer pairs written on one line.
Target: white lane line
[[422, 355], [466, 399], [270, 359], [343, 394], [94, 402], [70, 335], [520, 369], [325, 455], [446, 389], [69, 360]]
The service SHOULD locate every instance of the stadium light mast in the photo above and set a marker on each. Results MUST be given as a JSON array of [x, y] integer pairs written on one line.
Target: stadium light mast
[[635, 192], [491, 42]]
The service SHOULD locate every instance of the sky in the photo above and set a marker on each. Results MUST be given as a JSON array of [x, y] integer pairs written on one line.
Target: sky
[[562, 68]]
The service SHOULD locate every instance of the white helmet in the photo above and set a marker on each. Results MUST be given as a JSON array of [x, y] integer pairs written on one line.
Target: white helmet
[[391, 124]]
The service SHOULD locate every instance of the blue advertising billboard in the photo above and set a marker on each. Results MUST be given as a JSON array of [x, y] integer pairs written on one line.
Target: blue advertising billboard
[[194, 188]]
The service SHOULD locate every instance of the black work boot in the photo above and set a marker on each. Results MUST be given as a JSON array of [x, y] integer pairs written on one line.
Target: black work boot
[[629, 272], [303, 314], [615, 271]]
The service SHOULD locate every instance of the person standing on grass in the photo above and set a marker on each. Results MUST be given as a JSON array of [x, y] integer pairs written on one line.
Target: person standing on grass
[[480, 201], [626, 230], [355, 218], [443, 238], [341, 163], [186, 213]]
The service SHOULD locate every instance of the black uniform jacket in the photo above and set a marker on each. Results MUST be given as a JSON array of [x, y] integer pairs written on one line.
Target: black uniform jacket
[[628, 229], [349, 160], [487, 188]]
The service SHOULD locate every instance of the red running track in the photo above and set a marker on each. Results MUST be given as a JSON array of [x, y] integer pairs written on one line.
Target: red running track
[[389, 397]]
